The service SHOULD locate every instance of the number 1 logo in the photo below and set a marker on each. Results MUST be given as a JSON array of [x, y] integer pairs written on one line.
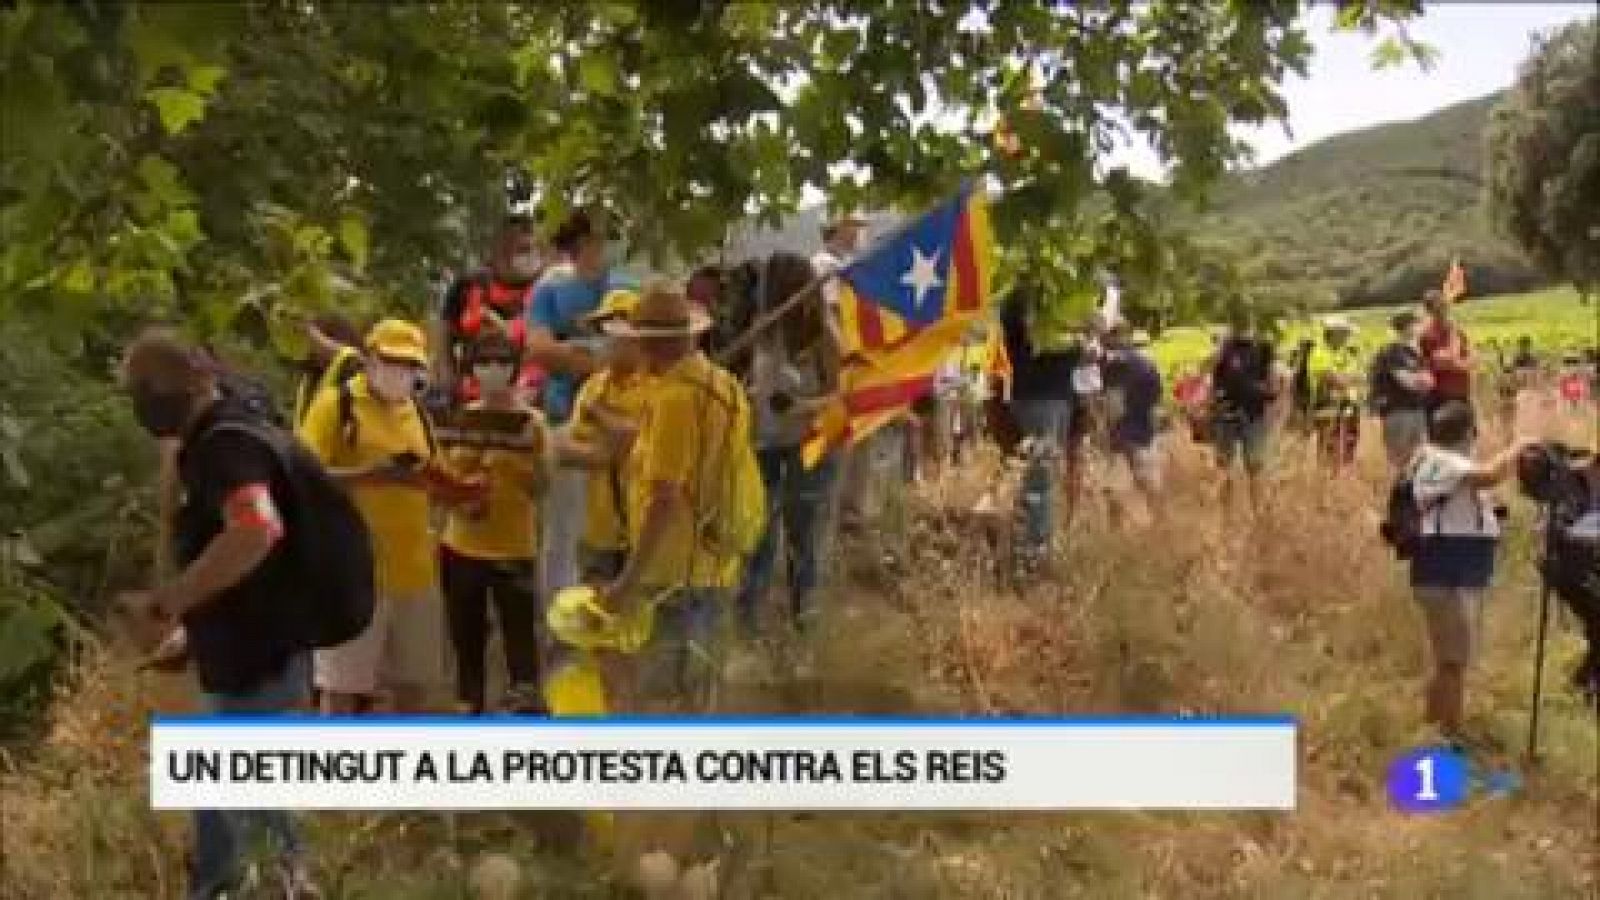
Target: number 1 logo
[[1428, 780]]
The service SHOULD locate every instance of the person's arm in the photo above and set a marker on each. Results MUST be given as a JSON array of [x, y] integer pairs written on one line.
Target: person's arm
[[542, 348], [667, 463], [1497, 469], [666, 501], [320, 432], [252, 525]]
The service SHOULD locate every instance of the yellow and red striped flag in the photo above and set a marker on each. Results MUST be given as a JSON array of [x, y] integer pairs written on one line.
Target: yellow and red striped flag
[[904, 308]]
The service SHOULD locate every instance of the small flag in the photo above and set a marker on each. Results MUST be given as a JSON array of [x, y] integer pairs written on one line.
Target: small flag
[[1455, 283]]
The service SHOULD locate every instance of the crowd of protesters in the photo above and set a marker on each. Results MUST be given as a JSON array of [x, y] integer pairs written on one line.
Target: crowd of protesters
[[610, 449]]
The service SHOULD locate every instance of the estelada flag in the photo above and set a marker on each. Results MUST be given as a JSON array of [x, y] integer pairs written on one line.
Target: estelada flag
[[904, 307], [1455, 283]]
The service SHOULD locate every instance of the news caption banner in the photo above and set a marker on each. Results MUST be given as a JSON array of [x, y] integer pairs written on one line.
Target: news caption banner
[[638, 763]]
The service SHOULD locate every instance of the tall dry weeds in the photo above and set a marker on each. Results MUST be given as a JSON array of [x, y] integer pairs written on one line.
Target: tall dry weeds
[[1297, 609]]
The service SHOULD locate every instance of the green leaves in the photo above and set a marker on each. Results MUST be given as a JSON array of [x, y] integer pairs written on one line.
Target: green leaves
[[353, 240], [597, 72], [179, 107]]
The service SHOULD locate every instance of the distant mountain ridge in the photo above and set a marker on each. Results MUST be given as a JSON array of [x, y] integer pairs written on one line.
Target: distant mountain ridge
[[1375, 216], [1368, 217]]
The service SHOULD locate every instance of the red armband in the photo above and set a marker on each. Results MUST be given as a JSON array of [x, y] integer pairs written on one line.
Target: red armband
[[251, 506]]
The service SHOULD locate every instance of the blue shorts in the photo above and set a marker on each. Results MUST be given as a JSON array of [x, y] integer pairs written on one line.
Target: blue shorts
[[1450, 561]]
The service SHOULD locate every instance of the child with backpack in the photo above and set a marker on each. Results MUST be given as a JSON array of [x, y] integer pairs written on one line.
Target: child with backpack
[[1444, 521]]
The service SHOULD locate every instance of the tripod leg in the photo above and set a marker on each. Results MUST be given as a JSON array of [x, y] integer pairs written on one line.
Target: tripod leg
[[1538, 671]]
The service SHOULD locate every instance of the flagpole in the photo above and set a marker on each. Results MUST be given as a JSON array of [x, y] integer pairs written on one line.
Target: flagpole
[[768, 318]]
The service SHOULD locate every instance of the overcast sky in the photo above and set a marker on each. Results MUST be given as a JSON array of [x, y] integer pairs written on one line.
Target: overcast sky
[[1479, 48]]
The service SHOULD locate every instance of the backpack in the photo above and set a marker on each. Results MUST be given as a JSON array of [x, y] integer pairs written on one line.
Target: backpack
[[738, 518], [328, 542], [1401, 527]]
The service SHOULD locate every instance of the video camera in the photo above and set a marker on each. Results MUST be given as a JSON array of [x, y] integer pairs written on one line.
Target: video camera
[[1569, 566]]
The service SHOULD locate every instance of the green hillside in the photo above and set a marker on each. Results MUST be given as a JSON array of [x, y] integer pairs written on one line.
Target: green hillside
[[1374, 216]]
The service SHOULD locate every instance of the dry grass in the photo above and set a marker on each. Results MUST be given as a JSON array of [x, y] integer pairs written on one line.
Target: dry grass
[[1299, 610]]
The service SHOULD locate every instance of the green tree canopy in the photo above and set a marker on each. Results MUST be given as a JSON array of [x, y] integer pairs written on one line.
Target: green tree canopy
[[220, 164], [1544, 156]]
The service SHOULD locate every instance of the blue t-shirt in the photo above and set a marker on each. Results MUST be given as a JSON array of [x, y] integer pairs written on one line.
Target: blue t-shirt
[[1139, 381], [559, 304]]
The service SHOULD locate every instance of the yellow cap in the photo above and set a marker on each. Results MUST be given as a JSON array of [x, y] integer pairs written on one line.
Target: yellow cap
[[400, 340], [618, 304]]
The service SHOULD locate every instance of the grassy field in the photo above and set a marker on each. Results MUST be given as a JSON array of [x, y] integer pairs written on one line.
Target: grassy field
[[1203, 610], [1554, 318]]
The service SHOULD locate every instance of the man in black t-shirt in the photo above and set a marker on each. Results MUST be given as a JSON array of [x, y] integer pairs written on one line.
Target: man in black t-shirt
[[1243, 390], [249, 655], [1400, 386]]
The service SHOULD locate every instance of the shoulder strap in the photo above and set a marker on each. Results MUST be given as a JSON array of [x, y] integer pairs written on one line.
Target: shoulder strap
[[427, 426], [349, 426]]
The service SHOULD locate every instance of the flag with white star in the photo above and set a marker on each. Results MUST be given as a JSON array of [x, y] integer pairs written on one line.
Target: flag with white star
[[935, 268], [903, 309]]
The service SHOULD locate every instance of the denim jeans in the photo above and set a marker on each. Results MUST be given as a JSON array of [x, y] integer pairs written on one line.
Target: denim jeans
[[218, 833], [1044, 419], [684, 657], [797, 502]]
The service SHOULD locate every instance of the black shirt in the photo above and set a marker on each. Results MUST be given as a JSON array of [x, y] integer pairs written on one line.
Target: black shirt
[[1388, 394], [1242, 379], [1035, 374], [241, 637]]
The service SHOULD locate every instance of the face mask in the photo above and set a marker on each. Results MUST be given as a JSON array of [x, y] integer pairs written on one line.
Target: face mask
[[524, 266], [162, 414], [391, 382], [493, 376]]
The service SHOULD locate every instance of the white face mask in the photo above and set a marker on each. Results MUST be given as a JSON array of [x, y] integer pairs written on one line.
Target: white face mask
[[392, 382], [495, 376], [524, 265]]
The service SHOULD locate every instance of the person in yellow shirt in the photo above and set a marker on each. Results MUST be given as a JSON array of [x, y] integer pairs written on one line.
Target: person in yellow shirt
[[682, 543], [606, 420], [490, 544], [372, 436], [1337, 375]]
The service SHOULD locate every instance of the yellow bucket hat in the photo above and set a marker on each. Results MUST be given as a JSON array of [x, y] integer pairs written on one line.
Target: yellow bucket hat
[[578, 617]]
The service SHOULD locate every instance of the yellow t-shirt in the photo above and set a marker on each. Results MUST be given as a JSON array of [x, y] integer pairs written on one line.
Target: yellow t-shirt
[[1344, 363], [508, 528], [396, 515], [686, 439], [604, 528]]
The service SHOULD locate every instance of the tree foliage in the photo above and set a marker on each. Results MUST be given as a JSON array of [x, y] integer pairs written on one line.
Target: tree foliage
[[1543, 156], [167, 143]]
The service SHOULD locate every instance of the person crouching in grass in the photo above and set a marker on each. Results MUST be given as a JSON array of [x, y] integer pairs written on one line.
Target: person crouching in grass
[[1454, 561], [490, 544]]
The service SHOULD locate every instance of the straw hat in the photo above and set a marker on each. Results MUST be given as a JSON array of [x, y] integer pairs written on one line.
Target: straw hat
[[663, 311]]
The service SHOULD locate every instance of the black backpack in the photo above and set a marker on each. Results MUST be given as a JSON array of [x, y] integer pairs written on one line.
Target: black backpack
[[328, 543], [1401, 527]]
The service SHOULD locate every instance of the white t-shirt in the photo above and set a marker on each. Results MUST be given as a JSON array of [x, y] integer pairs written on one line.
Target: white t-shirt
[[1451, 507]]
